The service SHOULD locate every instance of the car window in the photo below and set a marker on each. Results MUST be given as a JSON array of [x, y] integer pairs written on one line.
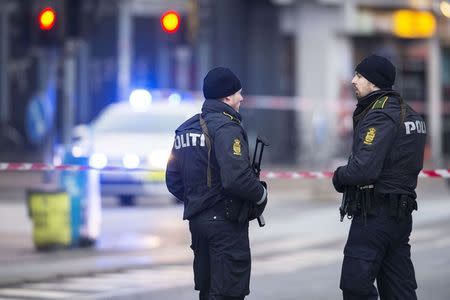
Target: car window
[[138, 123]]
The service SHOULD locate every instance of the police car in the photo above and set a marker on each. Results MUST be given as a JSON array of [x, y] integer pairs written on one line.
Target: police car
[[135, 137]]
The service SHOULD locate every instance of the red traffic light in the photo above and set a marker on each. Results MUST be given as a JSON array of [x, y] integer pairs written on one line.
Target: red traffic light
[[47, 18], [170, 21]]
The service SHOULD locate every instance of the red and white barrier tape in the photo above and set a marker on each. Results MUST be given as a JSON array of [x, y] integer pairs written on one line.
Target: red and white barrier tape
[[295, 175], [50, 167], [438, 173]]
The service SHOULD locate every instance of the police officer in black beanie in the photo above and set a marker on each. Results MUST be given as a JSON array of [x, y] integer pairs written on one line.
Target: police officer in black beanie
[[378, 185], [210, 172]]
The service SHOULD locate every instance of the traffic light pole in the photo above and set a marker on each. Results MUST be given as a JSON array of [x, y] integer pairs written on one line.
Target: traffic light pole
[[124, 53], [68, 101], [204, 37], [4, 53], [47, 65]]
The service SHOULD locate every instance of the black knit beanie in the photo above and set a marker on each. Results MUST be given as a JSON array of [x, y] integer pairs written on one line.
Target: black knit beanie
[[219, 83], [378, 70]]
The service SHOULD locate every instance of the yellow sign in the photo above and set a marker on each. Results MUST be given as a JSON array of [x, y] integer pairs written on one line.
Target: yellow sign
[[237, 147], [50, 213], [370, 136], [413, 24]]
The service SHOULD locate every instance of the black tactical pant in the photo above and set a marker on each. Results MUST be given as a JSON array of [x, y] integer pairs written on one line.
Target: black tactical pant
[[378, 251], [222, 260]]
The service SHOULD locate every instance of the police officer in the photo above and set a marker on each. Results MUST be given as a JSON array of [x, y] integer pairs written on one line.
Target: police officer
[[210, 172], [378, 183]]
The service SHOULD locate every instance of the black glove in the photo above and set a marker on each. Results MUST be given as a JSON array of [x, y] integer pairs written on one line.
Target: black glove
[[251, 211], [264, 184], [337, 185]]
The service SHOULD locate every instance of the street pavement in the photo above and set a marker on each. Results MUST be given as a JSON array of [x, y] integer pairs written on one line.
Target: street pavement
[[143, 252]]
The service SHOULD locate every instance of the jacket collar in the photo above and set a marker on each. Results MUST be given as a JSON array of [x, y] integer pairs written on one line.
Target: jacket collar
[[367, 100], [217, 106]]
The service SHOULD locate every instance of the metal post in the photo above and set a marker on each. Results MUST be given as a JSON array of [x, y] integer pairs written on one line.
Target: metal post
[[4, 47], [163, 66], [183, 60], [204, 37], [83, 98], [47, 60], [124, 50], [434, 104], [69, 94]]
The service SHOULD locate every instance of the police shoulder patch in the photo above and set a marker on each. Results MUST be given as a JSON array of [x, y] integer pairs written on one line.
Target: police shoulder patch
[[370, 136], [228, 115], [231, 117], [237, 147], [379, 104]]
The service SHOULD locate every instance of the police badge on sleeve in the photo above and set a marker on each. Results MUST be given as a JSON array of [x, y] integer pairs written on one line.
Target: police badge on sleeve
[[237, 147], [370, 136]]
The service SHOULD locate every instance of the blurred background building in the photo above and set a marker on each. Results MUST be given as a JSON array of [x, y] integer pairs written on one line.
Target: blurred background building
[[295, 58]]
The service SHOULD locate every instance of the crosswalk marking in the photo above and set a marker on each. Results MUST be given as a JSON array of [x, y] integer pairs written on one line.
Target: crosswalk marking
[[295, 262], [290, 244], [24, 292], [69, 285], [102, 284]]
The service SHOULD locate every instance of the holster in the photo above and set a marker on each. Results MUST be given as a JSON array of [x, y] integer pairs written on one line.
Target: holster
[[352, 201], [400, 206], [232, 209], [359, 200]]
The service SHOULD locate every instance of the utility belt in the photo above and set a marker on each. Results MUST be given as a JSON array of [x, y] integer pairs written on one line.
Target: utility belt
[[233, 210], [365, 201], [214, 213]]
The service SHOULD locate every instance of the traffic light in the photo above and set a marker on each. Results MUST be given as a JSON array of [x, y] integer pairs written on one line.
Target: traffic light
[[46, 27], [170, 21], [47, 18]]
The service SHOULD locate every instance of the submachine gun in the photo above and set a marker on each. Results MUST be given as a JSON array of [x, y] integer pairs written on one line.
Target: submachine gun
[[256, 166]]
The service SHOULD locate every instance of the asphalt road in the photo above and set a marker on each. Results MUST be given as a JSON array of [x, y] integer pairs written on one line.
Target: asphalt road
[[297, 255]]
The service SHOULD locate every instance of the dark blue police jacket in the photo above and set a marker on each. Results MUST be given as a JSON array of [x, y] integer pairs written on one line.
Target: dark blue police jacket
[[231, 175], [388, 145]]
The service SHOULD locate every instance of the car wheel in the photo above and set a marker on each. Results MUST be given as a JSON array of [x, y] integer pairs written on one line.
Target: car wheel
[[127, 200]]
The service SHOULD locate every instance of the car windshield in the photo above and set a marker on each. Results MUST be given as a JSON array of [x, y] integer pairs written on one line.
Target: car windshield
[[138, 123]]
